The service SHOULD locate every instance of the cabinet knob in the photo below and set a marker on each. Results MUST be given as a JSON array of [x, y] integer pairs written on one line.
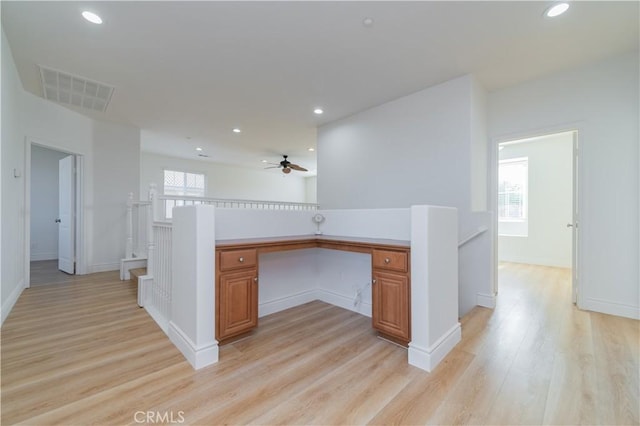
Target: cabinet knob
[[255, 279], [241, 259], [373, 281], [387, 260]]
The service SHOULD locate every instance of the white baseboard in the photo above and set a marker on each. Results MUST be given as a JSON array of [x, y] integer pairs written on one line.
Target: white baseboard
[[104, 267], [43, 256], [611, 308], [277, 305], [8, 304], [428, 358], [486, 300], [345, 302], [131, 263], [543, 261], [198, 356], [162, 322]]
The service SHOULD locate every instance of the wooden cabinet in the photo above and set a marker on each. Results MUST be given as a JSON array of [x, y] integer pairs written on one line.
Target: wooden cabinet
[[236, 293], [391, 295]]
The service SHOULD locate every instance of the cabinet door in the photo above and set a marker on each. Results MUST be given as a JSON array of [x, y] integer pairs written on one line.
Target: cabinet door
[[238, 303], [391, 304]]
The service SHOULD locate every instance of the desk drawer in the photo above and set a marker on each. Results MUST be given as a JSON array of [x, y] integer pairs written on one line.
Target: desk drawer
[[391, 260], [236, 259]]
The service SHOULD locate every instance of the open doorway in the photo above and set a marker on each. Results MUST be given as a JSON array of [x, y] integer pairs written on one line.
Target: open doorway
[[537, 212], [53, 203]]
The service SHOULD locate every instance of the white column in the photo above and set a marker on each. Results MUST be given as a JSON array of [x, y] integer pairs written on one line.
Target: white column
[[435, 329], [129, 244], [192, 325]]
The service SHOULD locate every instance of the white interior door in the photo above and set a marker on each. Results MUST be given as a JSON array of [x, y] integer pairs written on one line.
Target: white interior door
[[66, 221], [575, 224]]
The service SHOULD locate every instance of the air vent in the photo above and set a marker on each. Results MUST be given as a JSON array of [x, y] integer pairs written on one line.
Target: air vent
[[203, 155], [71, 89]]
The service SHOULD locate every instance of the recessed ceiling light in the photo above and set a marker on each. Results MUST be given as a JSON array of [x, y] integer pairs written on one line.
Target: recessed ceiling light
[[198, 149], [557, 9], [91, 17], [311, 149], [264, 161], [318, 111], [367, 22], [236, 130]]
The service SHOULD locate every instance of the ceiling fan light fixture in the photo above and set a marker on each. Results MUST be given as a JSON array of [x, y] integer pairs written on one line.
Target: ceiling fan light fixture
[[556, 10], [92, 17], [286, 170]]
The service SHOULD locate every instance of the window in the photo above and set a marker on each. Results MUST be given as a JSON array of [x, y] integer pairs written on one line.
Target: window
[[512, 189], [181, 183]]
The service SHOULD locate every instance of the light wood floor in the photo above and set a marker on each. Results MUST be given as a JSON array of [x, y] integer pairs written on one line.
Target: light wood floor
[[82, 352]]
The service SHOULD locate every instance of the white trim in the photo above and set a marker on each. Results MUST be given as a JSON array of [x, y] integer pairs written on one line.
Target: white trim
[[544, 261], [104, 267], [144, 284], [162, 322], [8, 305], [35, 257], [198, 357], [611, 308], [577, 128], [344, 302], [428, 358], [81, 262], [486, 300], [286, 302]]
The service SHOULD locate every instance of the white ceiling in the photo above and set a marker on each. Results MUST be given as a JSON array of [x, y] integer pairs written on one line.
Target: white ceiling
[[198, 69]]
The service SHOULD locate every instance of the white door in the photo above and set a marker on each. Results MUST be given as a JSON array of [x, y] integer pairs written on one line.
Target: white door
[[66, 220]]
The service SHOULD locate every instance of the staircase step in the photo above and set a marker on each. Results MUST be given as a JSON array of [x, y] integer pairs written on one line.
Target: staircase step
[[135, 273]]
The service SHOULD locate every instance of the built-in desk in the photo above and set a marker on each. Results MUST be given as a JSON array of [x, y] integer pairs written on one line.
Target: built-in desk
[[237, 281]]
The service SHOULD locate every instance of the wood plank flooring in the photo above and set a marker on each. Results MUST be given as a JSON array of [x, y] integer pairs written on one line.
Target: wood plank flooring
[[82, 352]]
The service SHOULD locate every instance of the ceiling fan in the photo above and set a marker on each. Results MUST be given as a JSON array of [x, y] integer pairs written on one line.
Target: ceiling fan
[[287, 166]]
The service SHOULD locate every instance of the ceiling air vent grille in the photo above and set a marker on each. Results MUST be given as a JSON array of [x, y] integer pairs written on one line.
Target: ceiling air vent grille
[[71, 89]]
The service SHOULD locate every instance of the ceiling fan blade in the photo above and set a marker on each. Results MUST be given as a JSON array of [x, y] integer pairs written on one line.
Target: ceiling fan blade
[[298, 168], [273, 167]]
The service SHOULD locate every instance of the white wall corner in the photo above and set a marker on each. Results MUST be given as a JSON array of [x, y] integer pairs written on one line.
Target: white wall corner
[[198, 356], [8, 305], [486, 300], [344, 302], [428, 358]]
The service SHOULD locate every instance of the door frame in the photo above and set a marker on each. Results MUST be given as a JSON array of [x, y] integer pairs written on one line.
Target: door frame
[[81, 266], [578, 172]]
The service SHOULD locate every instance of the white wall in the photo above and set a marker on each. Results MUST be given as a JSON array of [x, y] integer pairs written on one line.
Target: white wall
[[550, 194], [311, 191], [224, 181], [44, 202], [27, 118], [116, 173], [12, 273], [415, 150], [601, 100]]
